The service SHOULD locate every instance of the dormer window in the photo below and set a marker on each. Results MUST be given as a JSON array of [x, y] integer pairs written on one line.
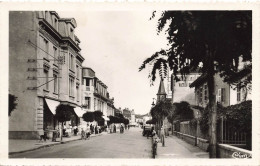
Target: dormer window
[[55, 23], [72, 33]]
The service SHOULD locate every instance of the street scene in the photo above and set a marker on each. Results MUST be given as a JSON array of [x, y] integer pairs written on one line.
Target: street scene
[[130, 84]]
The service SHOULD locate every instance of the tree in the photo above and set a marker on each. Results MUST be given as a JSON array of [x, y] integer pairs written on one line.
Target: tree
[[180, 111], [88, 116], [98, 116], [213, 40], [161, 110], [12, 103], [63, 114]]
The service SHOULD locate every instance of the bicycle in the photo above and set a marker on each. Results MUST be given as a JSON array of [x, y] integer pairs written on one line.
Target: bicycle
[[154, 146]]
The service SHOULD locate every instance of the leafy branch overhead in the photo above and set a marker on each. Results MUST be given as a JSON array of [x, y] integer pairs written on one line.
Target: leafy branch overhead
[[195, 38]]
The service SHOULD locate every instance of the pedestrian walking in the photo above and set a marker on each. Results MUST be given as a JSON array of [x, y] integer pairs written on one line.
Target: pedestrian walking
[[162, 136], [121, 128]]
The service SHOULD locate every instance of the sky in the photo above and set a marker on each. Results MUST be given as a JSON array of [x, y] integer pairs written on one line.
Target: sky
[[114, 44]]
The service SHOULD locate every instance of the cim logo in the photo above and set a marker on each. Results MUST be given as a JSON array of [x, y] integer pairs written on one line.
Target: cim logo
[[241, 156]]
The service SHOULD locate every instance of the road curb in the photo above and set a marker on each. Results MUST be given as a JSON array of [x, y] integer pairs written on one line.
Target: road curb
[[49, 145]]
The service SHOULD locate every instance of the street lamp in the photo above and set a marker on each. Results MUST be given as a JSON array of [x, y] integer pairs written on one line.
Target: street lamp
[[153, 104]]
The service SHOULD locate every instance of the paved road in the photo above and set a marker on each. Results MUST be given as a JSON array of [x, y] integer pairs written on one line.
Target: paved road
[[131, 144]]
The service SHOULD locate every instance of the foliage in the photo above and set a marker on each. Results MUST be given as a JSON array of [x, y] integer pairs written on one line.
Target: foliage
[[12, 103], [239, 114], [88, 116], [98, 116], [177, 125], [64, 113], [162, 109], [151, 121], [195, 30], [193, 122], [116, 119], [181, 111]]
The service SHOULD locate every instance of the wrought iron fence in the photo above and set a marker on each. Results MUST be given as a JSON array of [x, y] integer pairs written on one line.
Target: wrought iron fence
[[229, 134]]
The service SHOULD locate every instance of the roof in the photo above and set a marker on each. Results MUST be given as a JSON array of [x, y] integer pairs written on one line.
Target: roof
[[161, 90], [201, 80]]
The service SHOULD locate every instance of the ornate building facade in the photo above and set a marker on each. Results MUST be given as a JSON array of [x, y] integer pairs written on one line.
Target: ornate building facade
[[49, 71]]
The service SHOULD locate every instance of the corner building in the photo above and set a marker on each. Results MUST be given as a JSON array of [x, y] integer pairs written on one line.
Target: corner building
[[37, 39]]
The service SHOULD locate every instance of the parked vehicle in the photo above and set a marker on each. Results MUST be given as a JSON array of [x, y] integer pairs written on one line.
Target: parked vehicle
[[147, 130]]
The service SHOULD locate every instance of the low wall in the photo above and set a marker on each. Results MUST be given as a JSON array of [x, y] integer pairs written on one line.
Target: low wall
[[228, 151], [201, 143], [188, 138]]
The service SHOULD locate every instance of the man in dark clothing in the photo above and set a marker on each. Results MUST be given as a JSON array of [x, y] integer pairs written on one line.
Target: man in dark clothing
[[114, 128]]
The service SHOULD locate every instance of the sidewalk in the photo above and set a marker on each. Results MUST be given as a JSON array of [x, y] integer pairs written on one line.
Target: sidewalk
[[177, 148], [20, 146]]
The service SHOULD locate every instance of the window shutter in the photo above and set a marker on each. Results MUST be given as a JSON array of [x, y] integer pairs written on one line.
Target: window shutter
[[219, 95], [222, 94]]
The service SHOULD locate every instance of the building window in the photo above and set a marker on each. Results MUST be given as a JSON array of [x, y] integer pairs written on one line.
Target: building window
[[95, 103], [238, 94], [71, 62], [55, 23], [55, 55], [87, 102], [221, 95], [71, 85], [200, 94], [55, 83], [77, 91], [45, 47], [71, 33], [77, 70], [182, 84], [87, 84], [46, 74], [205, 92]]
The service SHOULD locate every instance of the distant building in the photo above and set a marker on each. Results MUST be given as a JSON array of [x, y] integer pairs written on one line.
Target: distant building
[[110, 107], [45, 70], [95, 94], [146, 117], [181, 90], [169, 85], [138, 118], [127, 113]]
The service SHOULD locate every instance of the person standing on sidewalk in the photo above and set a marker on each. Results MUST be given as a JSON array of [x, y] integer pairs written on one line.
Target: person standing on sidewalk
[[162, 136], [88, 131]]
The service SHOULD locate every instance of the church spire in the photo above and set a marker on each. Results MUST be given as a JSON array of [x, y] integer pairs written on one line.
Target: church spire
[[161, 95]]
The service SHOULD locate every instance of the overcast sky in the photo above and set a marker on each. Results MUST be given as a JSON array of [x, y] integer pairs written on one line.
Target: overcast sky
[[114, 44]]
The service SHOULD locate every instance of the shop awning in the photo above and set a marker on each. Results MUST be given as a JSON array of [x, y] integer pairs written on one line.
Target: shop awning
[[106, 118], [79, 112], [52, 104]]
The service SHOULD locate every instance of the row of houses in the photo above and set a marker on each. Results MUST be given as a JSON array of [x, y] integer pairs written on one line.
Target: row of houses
[[45, 70]]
